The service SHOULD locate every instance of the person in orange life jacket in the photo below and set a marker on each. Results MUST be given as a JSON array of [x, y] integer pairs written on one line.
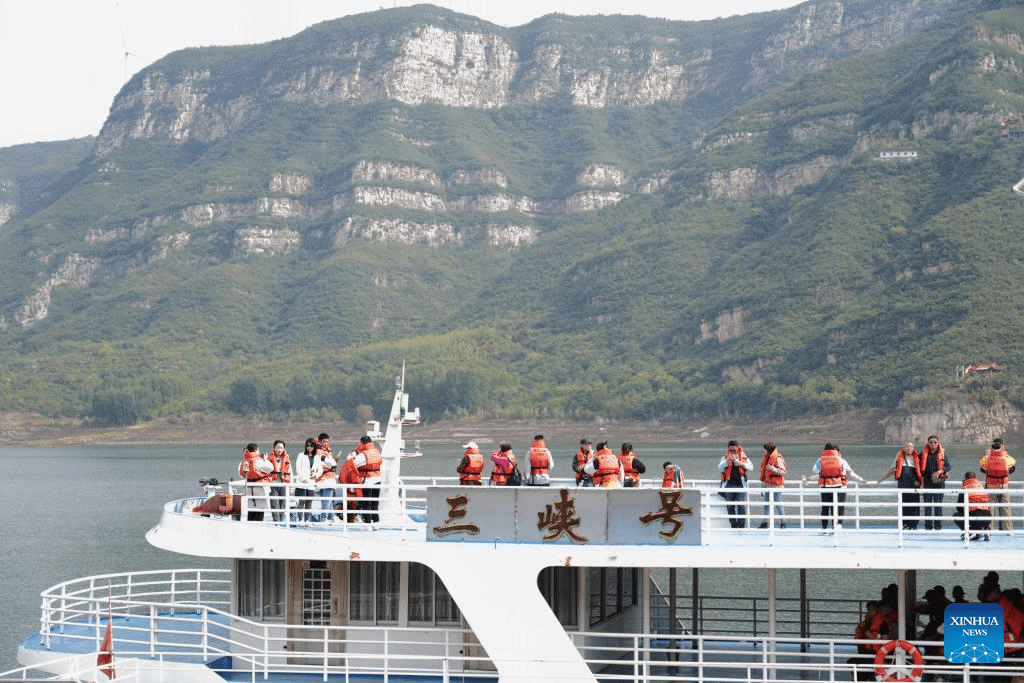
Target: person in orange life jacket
[[504, 464], [979, 515], [350, 479], [307, 469], [632, 468], [368, 461], [327, 477], [869, 628], [282, 475], [908, 473], [671, 476], [833, 474], [605, 468], [998, 465], [471, 466], [735, 467], [773, 479], [258, 472], [935, 467], [583, 455], [1013, 622], [541, 463]]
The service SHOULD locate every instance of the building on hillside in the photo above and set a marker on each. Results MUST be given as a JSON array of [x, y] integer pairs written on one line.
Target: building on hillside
[[898, 154], [979, 369]]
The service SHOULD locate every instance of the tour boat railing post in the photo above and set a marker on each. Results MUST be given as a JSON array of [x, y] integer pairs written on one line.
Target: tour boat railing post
[[695, 624], [805, 611], [152, 630]]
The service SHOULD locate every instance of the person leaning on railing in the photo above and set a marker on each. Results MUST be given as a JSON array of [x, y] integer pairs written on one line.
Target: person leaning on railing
[[833, 474], [258, 471], [773, 479], [998, 465]]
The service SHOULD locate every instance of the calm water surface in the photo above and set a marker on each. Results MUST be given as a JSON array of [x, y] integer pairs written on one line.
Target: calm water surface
[[75, 512]]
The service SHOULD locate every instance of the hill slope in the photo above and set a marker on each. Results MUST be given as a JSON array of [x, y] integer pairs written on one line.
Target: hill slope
[[601, 217]]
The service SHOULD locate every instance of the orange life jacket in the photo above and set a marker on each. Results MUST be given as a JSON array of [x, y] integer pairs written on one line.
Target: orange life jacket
[[328, 472], [727, 472], [282, 466], [940, 460], [606, 467], [1013, 624], [474, 465], [500, 473], [247, 469], [539, 458], [668, 479], [629, 470], [831, 471], [768, 476], [997, 467], [901, 456], [582, 458], [370, 469], [873, 629], [348, 473], [976, 501]]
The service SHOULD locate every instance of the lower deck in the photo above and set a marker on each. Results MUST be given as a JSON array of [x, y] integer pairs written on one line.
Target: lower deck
[[668, 631]]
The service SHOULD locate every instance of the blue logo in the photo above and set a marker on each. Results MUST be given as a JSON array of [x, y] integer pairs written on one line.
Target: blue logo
[[973, 633]]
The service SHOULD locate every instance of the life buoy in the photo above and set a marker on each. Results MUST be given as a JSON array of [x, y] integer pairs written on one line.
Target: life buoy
[[898, 670]]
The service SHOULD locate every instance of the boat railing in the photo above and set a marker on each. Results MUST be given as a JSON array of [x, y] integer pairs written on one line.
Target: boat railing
[[750, 615], [804, 506], [150, 635], [92, 599]]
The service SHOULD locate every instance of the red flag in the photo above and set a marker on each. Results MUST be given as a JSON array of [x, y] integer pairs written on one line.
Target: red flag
[[105, 657]]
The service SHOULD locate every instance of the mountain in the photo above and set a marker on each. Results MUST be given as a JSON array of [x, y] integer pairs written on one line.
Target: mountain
[[789, 213]]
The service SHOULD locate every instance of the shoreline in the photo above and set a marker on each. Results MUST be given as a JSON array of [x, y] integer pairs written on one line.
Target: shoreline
[[27, 429]]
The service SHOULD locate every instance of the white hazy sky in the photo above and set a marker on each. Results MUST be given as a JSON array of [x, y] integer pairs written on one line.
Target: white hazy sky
[[63, 61]]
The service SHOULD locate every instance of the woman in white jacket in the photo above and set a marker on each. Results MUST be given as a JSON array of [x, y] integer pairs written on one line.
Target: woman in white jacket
[[308, 467]]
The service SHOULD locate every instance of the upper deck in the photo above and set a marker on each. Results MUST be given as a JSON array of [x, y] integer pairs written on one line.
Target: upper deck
[[647, 527]]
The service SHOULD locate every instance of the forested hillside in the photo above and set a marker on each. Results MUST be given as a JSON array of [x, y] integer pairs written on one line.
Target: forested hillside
[[791, 213]]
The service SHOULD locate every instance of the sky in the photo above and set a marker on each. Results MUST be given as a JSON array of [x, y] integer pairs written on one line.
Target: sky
[[63, 61]]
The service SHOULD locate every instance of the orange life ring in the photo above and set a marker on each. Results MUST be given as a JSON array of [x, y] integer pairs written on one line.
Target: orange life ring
[[884, 673]]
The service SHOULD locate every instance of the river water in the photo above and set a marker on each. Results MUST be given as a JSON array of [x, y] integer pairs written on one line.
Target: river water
[[75, 512]]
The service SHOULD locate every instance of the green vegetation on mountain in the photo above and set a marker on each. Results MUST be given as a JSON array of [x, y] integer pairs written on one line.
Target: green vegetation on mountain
[[778, 267]]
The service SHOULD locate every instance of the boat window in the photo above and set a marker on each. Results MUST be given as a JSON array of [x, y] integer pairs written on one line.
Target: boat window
[[261, 589], [429, 600], [374, 592], [316, 595], [388, 591], [560, 587]]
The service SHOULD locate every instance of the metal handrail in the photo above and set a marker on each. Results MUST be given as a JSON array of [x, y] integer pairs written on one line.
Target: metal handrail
[[867, 506], [77, 610]]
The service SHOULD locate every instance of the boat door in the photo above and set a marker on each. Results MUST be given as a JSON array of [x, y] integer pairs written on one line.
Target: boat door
[[316, 600]]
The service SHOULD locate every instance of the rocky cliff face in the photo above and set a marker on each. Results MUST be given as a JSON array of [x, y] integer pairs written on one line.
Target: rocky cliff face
[[444, 59], [484, 67], [955, 422]]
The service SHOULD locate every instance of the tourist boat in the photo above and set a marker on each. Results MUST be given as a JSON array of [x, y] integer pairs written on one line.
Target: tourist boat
[[510, 584]]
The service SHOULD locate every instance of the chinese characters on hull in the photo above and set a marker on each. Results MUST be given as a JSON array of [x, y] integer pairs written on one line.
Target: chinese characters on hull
[[668, 512], [564, 518], [560, 519], [456, 510]]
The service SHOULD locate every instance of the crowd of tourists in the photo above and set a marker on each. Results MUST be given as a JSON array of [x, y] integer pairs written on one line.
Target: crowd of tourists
[[317, 478]]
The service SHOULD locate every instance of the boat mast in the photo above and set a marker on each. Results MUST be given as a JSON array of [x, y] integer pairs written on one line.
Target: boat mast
[[392, 449]]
